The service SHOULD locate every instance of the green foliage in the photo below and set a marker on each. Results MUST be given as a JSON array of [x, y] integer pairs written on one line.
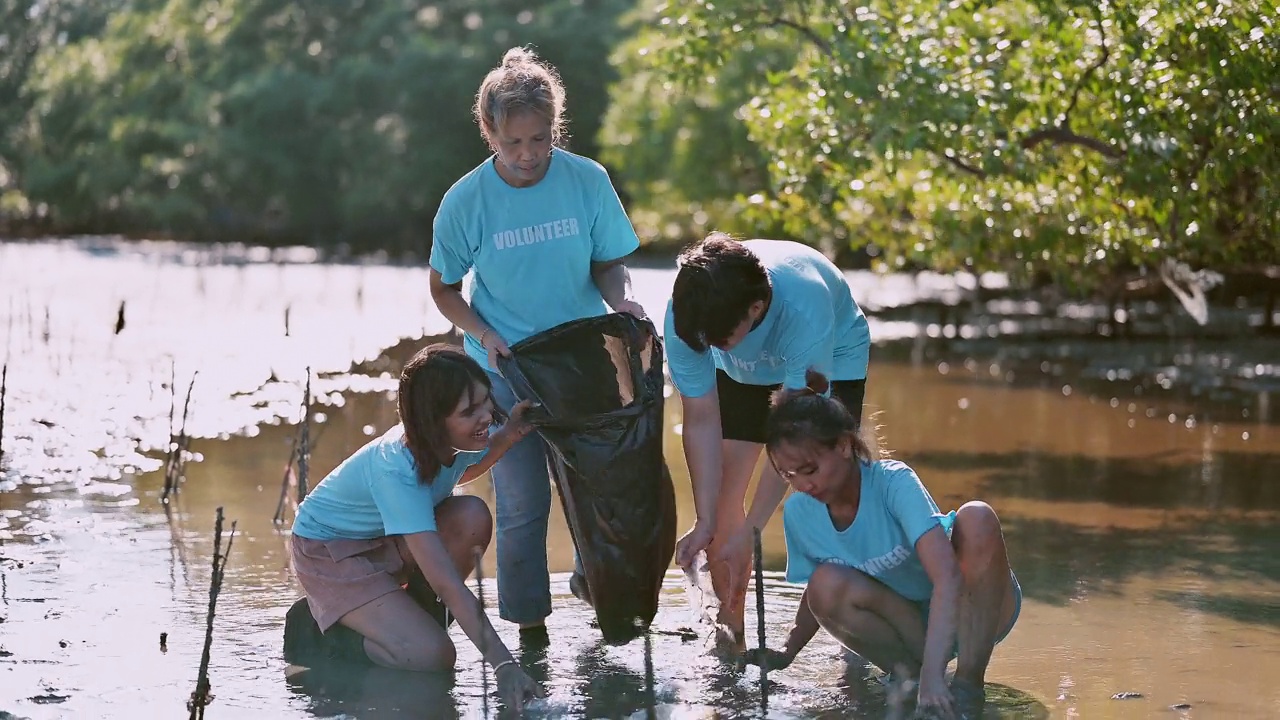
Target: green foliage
[[28, 29], [276, 120], [685, 158], [1031, 136]]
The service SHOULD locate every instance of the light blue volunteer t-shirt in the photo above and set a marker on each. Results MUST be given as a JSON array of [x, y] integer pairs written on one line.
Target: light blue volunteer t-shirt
[[375, 493], [531, 248], [894, 512], [812, 322]]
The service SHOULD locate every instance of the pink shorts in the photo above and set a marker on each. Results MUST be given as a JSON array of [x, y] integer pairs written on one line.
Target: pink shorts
[[339, 576]]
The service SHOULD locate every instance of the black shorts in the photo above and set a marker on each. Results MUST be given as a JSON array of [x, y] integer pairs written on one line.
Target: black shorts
[[744, 409]]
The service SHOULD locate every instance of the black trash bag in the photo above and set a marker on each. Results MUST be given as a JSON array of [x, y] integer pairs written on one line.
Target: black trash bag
[[599, 381]]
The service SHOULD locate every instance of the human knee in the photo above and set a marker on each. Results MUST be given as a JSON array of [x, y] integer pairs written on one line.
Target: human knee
[[410, 652], [977, 535], [474, 518], [833, 588]]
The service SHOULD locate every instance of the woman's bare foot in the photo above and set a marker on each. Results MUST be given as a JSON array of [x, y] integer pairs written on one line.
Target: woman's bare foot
[[728, 645]]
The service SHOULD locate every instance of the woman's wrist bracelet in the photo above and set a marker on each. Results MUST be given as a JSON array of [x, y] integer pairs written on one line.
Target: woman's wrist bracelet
[[503, 664]]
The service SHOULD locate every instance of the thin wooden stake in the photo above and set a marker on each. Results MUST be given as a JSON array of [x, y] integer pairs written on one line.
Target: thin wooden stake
[[178, 447], [651, 709], [4, 389], [764, 658], [284, 484], [201, 697], [304, 449], [484, 651]]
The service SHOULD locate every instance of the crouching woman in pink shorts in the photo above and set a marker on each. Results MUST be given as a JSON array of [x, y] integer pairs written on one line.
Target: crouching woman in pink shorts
[[382, 546]]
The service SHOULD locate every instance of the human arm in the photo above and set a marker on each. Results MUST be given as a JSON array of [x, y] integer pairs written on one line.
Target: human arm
[[768, 495], [502, 440], [455, 308], [432, 558], [916, 513], [612, 240], [614, 282], [940, 563], [702, 452], [694, 376], [802, 631], [797, 523], [453, 255]]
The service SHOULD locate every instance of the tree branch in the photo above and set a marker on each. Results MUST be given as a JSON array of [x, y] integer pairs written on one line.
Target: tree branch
[[1064, 136], [1102, 60], [805, 30], [963, 166], [1062, 133]]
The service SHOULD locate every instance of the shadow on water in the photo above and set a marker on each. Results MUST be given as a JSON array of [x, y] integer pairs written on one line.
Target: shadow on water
[[1059, 562], [1211, 521], [601, 686], [371, 693], [1235, 379], [1221, 481], [1259, 611]]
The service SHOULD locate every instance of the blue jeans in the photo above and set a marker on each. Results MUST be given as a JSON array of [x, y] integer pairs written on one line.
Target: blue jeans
[[522, 492]]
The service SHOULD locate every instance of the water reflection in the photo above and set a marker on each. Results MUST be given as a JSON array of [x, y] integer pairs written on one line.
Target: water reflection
[[372, 693], [1144, 546]]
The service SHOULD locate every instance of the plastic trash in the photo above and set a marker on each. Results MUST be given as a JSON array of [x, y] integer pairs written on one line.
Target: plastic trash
[[703, 603], [704, 606], [599, 382]]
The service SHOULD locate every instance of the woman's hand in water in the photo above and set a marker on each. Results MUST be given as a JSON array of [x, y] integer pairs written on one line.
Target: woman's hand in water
[[516, 688], [935, 697], [516, 422], [777, 659]]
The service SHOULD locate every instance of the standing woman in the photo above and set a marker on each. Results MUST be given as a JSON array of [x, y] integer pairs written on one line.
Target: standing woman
[[545, 235]]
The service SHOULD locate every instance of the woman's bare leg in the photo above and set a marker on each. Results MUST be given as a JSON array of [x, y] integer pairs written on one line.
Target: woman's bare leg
[[987, 599], [868, 618], [398, 632]]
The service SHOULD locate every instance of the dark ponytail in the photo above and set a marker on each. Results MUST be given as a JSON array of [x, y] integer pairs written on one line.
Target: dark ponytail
[[808, 415]]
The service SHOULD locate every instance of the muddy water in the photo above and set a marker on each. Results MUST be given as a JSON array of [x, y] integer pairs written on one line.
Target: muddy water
[[1144, 532]]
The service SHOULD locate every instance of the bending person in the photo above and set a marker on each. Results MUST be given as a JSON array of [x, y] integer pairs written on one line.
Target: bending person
[[891, 578], [544, 235], [382, 547], [745, 319]]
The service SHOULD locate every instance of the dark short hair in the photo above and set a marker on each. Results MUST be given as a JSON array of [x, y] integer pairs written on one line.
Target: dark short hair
[[431, 385], [716, 282]]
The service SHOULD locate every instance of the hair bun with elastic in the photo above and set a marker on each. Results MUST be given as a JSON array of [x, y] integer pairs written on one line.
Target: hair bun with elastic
[[517, 56], [816, 381]]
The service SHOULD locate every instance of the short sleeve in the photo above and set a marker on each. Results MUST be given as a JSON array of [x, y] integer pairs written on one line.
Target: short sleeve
[[612, 235], [406, 505], [693, 373], [800, 564], [451, 252], [909, 502]]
